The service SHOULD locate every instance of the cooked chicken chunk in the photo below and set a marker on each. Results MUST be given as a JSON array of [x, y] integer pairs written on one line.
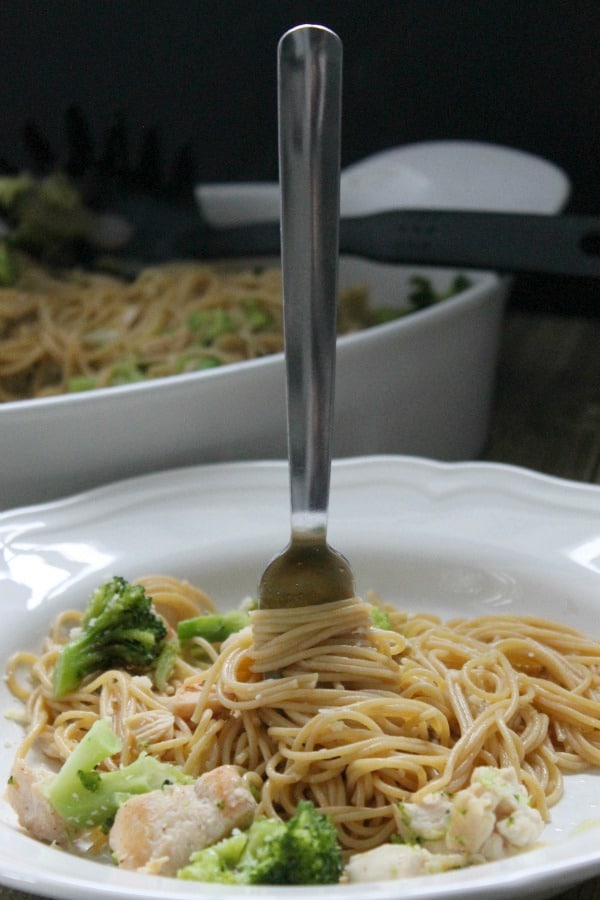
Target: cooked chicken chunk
[[400, 861], [490, 819], [157, 832], [34, 810], [427, 820]]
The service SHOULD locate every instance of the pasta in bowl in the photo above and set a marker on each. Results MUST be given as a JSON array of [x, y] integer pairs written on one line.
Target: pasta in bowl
[[69, 330], [313, 712], [393, 379]]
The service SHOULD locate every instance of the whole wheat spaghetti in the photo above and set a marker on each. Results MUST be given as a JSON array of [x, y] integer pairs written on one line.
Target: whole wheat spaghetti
[[320, 704], [73, 330], [64, 331]]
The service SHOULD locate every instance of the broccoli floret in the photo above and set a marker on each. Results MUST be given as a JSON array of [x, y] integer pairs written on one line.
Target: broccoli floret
[[209, 324], [81, 383], [258, 318], [120, 629], [380, 618], [309, 850], [304, 850], [126, 372], [424, 294], [221, 863], [165, 665], [195, 362], [83, 796], [213, 627]]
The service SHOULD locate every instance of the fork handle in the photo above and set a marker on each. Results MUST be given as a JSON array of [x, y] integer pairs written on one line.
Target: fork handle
[[309, 106]]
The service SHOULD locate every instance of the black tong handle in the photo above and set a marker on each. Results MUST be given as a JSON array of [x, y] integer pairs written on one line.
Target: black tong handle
[[505, 242]]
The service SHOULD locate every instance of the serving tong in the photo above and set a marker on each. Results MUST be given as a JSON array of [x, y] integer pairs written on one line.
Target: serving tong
[[505, 242], [161, 219]]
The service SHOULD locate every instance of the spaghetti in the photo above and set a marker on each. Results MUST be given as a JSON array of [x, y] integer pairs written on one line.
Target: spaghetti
[[333, 709], [72, 330]]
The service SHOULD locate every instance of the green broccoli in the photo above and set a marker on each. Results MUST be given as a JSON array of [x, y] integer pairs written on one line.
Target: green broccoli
[[165, 665], [81, 383], [213, 627], [258, 318], [84, 796], [304, 850], [120, 629], [380, 618], [424, 294], [45, 213], [126, 372], [222, 862], [195, 362], [209, 324]]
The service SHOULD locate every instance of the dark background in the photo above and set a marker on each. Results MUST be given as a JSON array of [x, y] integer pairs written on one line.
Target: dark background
[[194, 82]]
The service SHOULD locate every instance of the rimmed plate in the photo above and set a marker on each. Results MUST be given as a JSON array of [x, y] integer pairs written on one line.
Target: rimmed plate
[[454, 539]]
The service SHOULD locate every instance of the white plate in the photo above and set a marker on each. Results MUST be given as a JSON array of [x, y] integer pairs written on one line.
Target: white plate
[[456, 539], [443, 174]]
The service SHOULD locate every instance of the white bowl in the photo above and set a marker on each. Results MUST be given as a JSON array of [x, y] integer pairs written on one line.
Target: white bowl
[[420, 385]]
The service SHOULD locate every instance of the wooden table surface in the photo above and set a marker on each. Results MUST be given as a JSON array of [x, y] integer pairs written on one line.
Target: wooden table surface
[[546, 417]]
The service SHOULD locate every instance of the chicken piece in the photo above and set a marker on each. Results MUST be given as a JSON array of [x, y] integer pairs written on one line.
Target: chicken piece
[[400, 861], [157, 832], [522, 828], [489, 819], [425, 821], [495, 793], [35, 812], [472, 821]]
